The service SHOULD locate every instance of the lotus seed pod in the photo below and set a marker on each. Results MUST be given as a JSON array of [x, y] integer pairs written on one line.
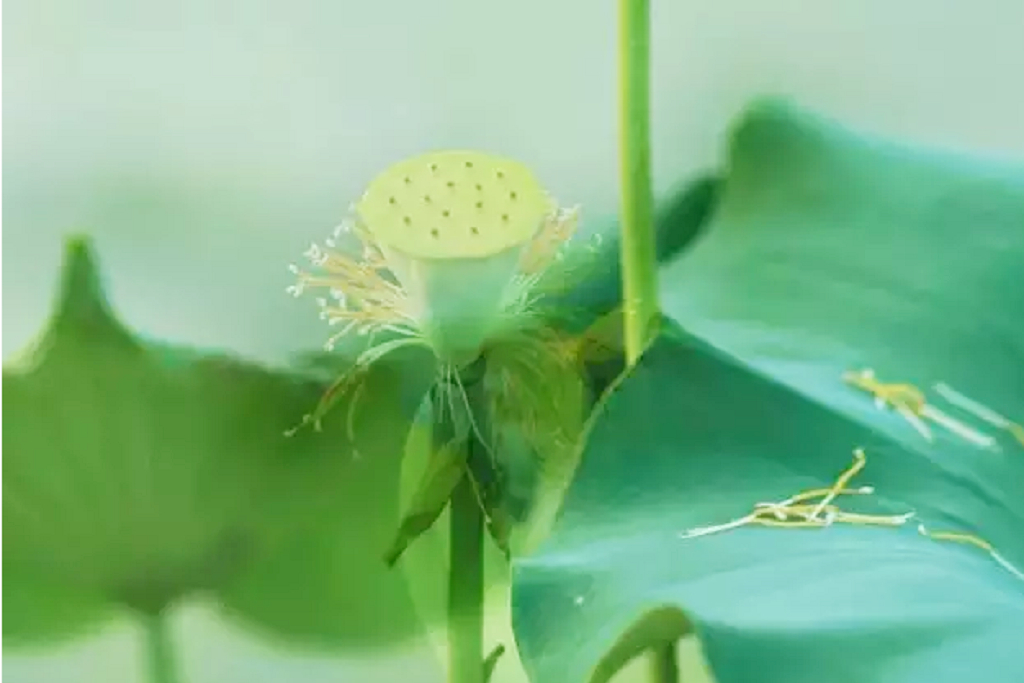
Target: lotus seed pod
[[453, 242], [454, 205], [453, 226]]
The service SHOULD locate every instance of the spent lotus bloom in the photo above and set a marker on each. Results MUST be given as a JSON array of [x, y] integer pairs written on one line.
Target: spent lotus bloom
[[454, 251], [450, 245], [449, 251]]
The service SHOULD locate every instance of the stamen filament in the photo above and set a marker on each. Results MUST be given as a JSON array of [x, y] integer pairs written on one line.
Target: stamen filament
[[796, 512], [957, 427], [970, 405], [556, 230], [859, 460], [910, 403], [980, 411], [977, 542]]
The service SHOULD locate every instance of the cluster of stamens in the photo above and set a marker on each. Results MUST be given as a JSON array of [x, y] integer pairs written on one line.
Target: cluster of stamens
[[423, 213], [912, 404], [975, 541], [547, 245], [363, 296], [815, 508]]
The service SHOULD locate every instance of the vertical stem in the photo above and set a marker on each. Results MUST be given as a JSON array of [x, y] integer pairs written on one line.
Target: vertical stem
[[639, 268], [639, 258], [665, 663], [160, 649], [466, 585]]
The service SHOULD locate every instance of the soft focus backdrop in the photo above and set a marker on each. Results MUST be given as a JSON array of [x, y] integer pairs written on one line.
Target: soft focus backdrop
[[204, 143]]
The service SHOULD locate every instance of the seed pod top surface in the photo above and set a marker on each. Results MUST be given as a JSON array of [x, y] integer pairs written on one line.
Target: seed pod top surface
[[454, 204]]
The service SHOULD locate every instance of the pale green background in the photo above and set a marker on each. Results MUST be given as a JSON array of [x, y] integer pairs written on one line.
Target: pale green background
[[206, 142]]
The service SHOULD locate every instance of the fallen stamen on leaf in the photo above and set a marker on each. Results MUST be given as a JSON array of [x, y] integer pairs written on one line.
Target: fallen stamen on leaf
[[859, 460], [907, 399], [1018, 432], [817, 493], [976, 541], [910, 402], [798, 511], [981, 411], [958, 428]]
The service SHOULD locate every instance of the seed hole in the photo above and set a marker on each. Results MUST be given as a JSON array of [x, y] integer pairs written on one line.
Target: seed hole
[[407, 220], [435, 233], [407, 180], [479, 187], [426, 198], [500, 174], [446, 213], [450, 183], [513, 196], [479, 205], [504, 217], [433, 167], [392, 200], [475, 230], [469, 164]]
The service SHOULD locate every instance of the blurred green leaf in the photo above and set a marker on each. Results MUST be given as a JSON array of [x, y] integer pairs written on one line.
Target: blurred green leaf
[[43, 611], [138, 473], [325, 582], [828, 251], [446, 466]]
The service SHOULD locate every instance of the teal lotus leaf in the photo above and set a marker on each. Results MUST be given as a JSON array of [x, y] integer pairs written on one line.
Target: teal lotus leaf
[[828, 251]]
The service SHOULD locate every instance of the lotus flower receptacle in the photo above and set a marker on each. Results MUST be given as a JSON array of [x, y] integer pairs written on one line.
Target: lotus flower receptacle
[[452, 242]]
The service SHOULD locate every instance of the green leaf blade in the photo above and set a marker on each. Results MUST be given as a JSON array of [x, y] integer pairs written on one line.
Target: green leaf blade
[[828, 251], [765, 602], [138, 475], [831, 250]]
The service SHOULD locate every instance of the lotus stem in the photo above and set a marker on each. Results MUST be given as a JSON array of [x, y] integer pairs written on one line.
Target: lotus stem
[[664, 663], [639, 263], [466, 583], [160, 649]]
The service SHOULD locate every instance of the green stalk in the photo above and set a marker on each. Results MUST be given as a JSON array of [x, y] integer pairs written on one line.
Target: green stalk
[[639, 258], [639, 266], [466, 584], [664, 663], [160, 649]]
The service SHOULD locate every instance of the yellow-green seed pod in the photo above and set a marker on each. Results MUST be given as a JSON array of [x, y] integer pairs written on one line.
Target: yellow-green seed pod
[[453, 227], [454, 205]]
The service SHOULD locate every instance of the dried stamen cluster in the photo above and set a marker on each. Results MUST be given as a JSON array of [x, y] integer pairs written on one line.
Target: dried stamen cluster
[[982, 412], [815, 508], [365, 296], [976, 541], [911, 403], [546, 246]]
